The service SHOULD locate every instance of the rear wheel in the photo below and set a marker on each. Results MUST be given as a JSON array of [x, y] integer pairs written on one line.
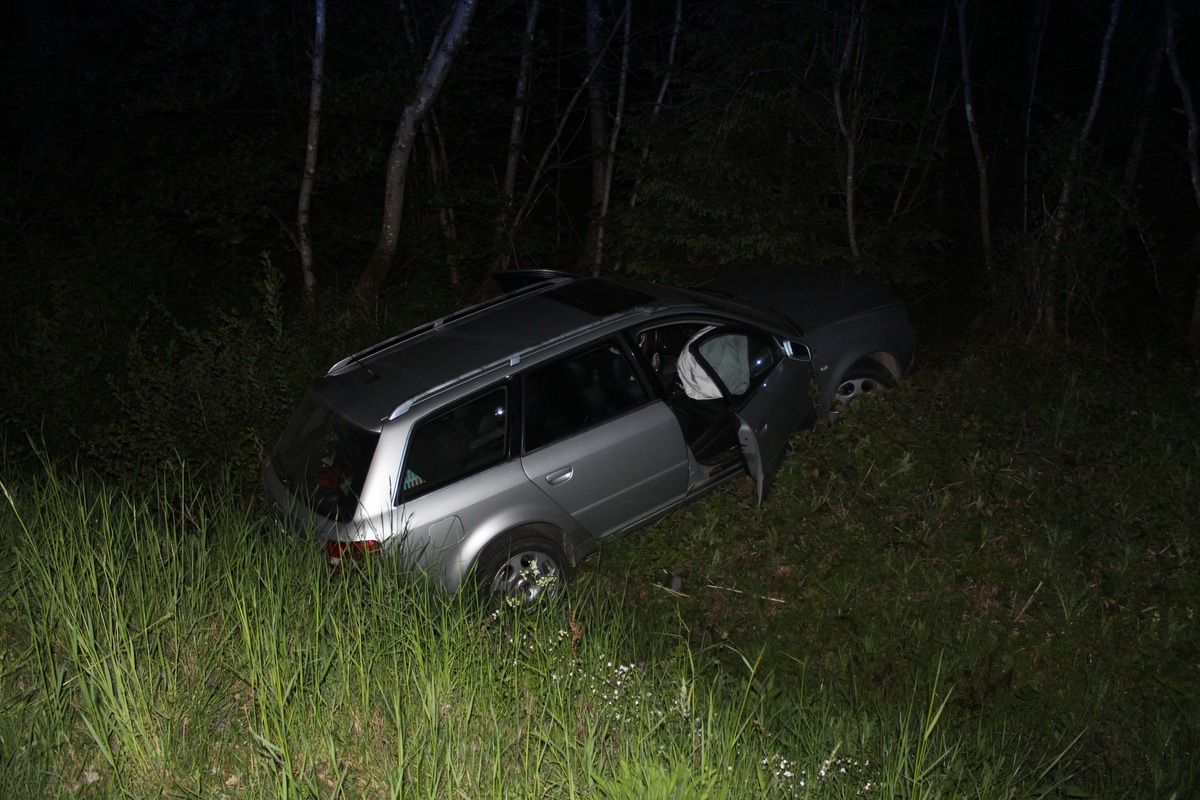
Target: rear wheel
[[522, 570], [863, 378]]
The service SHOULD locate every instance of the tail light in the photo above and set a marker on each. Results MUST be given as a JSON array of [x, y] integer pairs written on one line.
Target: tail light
[[339, 552]]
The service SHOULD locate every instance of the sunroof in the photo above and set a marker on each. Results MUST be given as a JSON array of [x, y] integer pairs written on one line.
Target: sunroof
[[598, 297]]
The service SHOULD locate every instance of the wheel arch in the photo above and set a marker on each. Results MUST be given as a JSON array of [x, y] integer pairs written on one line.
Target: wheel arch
[[883, 359], [475, 547], [832, 378]]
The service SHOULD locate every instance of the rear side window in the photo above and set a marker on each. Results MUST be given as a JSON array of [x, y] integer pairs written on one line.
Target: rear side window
[[453, 444], [323, 459], [578, 392]]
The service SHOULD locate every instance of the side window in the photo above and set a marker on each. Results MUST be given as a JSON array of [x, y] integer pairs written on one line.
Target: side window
[[583, 390], [453, 444]]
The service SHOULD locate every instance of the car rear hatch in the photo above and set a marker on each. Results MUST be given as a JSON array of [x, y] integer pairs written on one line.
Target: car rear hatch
[[320, 464]]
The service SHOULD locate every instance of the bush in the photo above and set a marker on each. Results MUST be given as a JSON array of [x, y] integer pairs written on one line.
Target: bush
[[212, 396]]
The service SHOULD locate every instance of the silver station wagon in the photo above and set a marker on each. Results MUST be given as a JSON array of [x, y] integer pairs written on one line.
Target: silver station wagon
[[495, 447]]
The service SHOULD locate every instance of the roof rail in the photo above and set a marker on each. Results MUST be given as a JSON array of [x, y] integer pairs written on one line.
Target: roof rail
[[478, 308], [512, 360], [510, 279]]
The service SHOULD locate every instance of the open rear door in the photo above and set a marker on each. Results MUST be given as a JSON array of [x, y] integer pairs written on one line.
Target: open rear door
[[767, 384]]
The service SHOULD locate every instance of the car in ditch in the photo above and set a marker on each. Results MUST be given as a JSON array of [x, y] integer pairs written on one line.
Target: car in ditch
[[495, 447]]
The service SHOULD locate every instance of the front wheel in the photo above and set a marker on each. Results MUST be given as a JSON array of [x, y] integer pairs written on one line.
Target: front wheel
[[863, 378], [521, 571]]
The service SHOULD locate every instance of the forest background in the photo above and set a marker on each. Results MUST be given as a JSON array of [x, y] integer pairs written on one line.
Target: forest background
[[1028, 167]]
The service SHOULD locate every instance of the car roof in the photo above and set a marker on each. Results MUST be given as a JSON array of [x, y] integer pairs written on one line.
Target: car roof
[[383, 381]]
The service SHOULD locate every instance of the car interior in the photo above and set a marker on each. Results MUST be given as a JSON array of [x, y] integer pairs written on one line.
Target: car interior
[[707, 425]]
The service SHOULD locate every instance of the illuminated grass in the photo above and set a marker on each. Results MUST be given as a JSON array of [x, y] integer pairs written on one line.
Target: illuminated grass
[[173, 646]]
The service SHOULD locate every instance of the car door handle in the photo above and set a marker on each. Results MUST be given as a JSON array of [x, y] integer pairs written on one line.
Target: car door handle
[[560, 476]]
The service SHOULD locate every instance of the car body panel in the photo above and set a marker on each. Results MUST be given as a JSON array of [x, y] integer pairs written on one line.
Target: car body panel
[[845, 318], [615, 474], [812, 296], [768, 419], [764, 387]]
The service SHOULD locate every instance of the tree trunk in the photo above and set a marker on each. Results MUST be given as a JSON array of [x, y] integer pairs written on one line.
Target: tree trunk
[[1133, 164], [985, 215], [437, 66], [516, 137], [534, 188], [304, 232], [1038, 36], [439, 170], [611, 157], [1193, 142], [1050, 280], [847, 121], [598, 127], [900, 205], [662, 93], [439, 162]]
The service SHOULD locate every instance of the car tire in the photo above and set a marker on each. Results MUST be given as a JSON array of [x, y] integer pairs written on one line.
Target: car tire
[[865, 377], [522, 570]]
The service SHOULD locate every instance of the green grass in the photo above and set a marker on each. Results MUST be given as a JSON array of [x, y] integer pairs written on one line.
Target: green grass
[[983, 587]]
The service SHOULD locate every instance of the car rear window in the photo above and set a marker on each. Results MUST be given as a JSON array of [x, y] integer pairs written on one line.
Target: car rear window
[[323, 459]]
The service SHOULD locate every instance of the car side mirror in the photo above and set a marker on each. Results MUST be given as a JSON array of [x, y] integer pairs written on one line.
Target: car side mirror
[[797, 350]]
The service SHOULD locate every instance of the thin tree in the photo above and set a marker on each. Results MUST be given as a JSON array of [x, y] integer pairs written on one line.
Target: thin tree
[[964, 49], [1037, 39], [534, 187], [516, 136], [1193, 142], [442, 52], [1133, 163], [1058, 223], [933, 117], [303, 229], [661, 97], [439, 165], [598, 127], [845, 107], [611, 155]]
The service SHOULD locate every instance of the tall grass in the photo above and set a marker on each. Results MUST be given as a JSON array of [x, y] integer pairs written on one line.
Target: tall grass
[[172, 644]]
